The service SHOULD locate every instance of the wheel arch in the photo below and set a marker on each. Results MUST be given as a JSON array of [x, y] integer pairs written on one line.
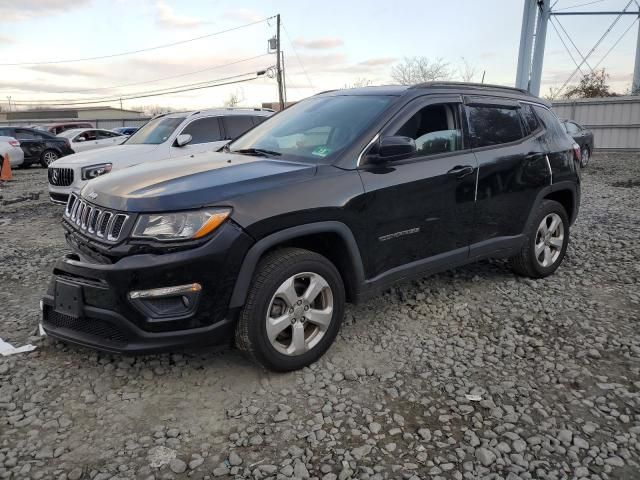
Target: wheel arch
[[331, 239]]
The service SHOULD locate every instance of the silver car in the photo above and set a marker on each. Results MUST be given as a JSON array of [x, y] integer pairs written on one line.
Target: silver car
[[10, 146]]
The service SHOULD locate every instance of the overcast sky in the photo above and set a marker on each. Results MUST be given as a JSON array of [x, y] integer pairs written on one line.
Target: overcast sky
[[327, 44]]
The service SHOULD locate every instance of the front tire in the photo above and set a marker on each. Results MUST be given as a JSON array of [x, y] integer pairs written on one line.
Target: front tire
[[48, 157], [293, 311], [547, 238]]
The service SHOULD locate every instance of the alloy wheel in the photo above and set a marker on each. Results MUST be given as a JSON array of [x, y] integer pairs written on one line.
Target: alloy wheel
[[549, 240], [584, 157], [299, 314], [50, 157]]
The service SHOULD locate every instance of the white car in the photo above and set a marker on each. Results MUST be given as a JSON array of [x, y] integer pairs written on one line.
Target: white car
[[83, 139], [11, 147], [164, 137]]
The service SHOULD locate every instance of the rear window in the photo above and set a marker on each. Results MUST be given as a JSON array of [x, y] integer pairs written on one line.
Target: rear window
[[489, 125]]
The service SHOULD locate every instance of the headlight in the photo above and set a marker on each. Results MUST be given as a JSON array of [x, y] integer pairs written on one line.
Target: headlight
[[95, 171], [180, 225]]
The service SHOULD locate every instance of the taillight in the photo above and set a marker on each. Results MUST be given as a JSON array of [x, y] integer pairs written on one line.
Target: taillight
[[577, 153], [14, 143]]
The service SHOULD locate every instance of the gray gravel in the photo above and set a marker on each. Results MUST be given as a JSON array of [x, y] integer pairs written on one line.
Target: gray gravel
[[554, 363]]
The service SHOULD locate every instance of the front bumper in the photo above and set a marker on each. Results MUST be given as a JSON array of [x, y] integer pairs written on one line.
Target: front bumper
[[100, 314]]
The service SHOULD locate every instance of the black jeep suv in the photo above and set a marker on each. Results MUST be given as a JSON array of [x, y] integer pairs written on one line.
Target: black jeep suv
[[331, 200]]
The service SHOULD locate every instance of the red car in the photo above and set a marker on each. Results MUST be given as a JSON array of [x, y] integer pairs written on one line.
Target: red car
[[57, 128]]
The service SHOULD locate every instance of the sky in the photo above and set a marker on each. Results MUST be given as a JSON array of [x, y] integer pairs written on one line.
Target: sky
[[327, 44]]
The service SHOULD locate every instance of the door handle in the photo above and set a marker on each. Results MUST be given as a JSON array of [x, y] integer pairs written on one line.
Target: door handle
[[461, 171]]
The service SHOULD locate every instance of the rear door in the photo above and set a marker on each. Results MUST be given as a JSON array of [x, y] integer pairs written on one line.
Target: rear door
[[421, 209], [206, 135], [31, 144], [559, 146], [512, 167]]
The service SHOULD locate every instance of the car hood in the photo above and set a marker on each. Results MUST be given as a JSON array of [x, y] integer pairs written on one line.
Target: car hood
[[194, 181], [103, 155]]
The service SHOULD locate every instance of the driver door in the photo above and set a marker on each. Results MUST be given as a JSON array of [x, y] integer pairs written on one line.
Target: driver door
[[421, 209]]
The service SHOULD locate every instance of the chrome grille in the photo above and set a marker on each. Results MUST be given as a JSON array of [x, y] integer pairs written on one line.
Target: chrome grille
[[60, 177], [93, 221]]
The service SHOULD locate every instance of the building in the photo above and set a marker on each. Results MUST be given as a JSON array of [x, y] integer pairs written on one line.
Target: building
[[101, 117]]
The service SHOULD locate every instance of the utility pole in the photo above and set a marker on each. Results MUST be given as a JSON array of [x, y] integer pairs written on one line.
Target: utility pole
[[539, 44], [278, 65], [635, 85], [284, 80], [9, 98], [526, 44]]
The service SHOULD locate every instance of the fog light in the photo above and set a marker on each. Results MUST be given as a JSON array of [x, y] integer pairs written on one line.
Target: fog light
[[166, 291]]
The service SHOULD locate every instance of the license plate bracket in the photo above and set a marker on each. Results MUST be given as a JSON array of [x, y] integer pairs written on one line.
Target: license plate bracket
[[68, 299]]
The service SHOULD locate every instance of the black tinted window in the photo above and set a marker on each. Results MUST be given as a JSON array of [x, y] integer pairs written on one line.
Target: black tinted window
[[572, 128], [435, 129], [204, 130], [25, 134], [236, 125], [550, 121], [6, 132], [258, 120], [530, 119], [102, 134], [493, 125]]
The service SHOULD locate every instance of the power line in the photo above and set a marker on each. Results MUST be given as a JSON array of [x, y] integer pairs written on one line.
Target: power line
[[565, 45], [577, 6], [616, 43], [595, 46], [153, 93], [132, 52], [164, 78], [572, 42], [286, 32]]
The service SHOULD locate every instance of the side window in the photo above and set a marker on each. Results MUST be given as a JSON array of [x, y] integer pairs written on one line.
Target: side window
[[204, 130], [529, 118], [103, 134], [550, 121], [435, 129], [22, 134], [90, 135], [489, 125], [258, 120], [236, 125]]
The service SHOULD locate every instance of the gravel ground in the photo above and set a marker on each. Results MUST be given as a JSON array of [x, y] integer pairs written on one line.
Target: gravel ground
[[469, 374]]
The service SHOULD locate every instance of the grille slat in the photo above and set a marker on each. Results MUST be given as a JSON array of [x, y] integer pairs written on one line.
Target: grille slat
[[60, 177], [103, 224]]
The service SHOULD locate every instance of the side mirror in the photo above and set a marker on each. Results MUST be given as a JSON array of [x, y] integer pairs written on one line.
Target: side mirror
[[391, 149], [183, 139], [81, 139]]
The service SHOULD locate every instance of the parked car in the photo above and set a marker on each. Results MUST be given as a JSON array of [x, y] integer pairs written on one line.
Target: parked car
[[166, 136], [333, 199], [58, 128], [38, 146], [128, 131], [583, 137], [9, 146], [83, 139]]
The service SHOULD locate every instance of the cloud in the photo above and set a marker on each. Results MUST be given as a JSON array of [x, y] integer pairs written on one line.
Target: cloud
[[18, 10], [168, 18], [319, 43], [380, 61], [243, 15]]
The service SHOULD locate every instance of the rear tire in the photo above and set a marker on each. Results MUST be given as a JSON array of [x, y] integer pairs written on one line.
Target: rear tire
[[48, 157], [545, 245], [585, 156], [293, 310]]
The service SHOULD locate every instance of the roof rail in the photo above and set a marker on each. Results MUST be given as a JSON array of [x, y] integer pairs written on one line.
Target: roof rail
[[488, 86]]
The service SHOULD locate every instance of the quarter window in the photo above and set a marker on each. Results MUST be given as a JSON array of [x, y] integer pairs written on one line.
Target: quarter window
[[435, 129], [236, 125], [550, 121], [490, 125], [530, 119], [204, 130]]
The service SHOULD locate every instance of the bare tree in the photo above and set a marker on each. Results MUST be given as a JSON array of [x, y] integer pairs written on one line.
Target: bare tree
[[413, 70], [234, 99], [358, 83], [467, 71]]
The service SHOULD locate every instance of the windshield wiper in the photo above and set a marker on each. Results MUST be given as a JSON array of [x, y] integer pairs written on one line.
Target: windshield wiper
[[260, 152]]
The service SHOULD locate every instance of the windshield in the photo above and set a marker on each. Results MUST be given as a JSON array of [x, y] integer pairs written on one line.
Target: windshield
[[315, 128], [155, 132]]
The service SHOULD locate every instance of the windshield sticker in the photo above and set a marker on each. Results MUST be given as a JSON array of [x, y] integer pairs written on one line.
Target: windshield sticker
[[321, 151]]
